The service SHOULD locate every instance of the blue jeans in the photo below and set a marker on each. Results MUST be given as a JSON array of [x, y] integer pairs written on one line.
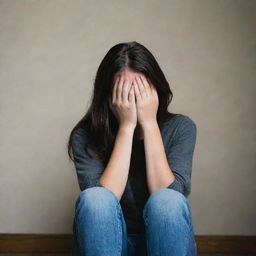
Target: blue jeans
[[99, 227]]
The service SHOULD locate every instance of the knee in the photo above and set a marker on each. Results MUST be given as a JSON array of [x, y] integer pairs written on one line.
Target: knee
[[166, 203], [95, 198]]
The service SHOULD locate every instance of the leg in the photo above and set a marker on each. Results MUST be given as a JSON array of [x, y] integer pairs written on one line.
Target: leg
[[99, 226], [75, 248], [168, 224]]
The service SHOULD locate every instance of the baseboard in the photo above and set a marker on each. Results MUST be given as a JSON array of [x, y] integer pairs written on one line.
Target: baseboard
[[52, 243]]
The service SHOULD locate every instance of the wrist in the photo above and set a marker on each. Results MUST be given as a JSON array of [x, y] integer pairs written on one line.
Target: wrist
[[128, 128], [149, 125]]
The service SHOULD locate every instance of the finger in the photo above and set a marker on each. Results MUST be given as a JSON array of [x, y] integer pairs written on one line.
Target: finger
[[146, 85], [151, 86], [114, 98], [136, 91], [125, 90], [114, 90], [119, 89], [154, 91], [141, 87], [131, 94]]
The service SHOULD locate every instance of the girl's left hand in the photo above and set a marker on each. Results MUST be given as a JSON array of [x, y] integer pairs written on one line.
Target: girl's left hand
[[146, 100]]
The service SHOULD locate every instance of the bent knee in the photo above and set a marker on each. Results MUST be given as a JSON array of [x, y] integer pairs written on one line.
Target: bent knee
[[166, 201], [96, 197]]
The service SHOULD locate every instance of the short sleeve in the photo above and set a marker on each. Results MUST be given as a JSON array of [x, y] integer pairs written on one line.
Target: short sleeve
[[180, 155], [88, 169]]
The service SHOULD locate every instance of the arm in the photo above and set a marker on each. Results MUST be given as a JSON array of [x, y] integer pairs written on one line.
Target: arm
[[176, 165], [88, 170], [180, 156], [159, 174], [116, 173], [91, 172], [180, 152]]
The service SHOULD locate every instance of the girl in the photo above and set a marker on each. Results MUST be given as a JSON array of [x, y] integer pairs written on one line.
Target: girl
[[133, 160]]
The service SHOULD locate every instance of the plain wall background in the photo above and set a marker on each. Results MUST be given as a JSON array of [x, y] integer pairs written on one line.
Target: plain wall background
[[49, 54]]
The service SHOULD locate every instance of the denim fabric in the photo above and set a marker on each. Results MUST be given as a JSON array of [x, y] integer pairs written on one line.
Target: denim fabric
[[99, 227], [179, 138]]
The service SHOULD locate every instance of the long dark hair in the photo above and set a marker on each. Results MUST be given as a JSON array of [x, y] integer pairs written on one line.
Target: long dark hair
[[99, 121]]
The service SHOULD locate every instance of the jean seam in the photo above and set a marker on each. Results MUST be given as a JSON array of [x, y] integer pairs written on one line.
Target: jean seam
[[120, 229], [190, 217], [189, 237]]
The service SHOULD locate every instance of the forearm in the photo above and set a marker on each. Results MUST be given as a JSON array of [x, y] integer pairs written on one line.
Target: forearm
[[116, 173], [159, 174]]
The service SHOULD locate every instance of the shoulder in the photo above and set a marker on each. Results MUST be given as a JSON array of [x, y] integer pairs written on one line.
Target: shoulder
[[186, 123], [179, 121], [78, 136], [178, 125]]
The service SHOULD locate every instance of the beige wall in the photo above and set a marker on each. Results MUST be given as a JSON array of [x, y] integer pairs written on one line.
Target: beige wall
[[49, 53]]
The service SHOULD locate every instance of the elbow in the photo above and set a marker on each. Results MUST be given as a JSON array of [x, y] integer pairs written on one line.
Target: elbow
[[91, 184], [181, 187]]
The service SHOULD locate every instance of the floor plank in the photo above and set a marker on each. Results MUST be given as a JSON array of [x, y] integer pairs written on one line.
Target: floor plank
[[66, 254]]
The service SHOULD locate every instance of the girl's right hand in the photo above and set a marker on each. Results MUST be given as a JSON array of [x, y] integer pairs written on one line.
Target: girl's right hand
[[122, 103]]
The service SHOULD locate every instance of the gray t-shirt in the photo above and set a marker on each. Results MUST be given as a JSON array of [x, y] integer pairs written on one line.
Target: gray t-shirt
[[179, 138]]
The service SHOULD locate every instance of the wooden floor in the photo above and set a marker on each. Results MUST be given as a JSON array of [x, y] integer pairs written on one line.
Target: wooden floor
[[67, 254]]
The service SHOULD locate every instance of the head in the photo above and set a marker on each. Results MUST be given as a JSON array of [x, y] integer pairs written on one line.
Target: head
[[129, 58], [128, 74]]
